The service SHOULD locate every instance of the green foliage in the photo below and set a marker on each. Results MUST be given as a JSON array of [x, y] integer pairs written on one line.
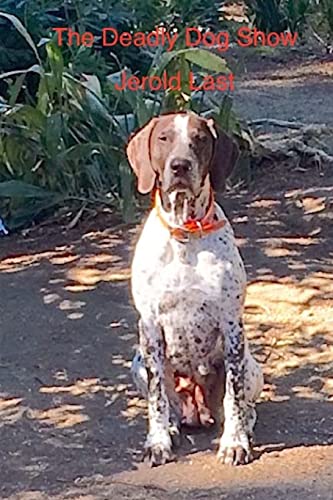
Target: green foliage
[[296, 14], [63, 126], [39, 17], [326, 7], [63, 131], [268, 15], [279, 15]]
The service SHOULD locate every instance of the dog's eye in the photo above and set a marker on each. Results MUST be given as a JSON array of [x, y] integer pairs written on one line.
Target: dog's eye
[[163, 138]]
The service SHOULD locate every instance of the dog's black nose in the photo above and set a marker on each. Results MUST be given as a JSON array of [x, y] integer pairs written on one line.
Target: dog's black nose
[[180, 166]]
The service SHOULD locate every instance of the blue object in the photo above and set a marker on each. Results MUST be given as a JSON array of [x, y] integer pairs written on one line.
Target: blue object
[[3, 230]]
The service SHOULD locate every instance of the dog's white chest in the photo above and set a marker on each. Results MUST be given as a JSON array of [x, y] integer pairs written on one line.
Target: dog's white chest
[[211, 264], [188, 289]]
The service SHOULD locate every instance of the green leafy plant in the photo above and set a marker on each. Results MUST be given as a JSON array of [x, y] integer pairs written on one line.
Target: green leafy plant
[[92, 15], [268, 15], [64, 143], [297, 12], [327, 11], [280, 15]]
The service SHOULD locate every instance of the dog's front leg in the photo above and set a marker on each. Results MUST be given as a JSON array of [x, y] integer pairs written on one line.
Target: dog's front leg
[[158, 446], [235, 446]]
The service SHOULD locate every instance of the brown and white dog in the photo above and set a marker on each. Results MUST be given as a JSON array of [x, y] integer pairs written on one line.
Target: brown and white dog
[[188, 285]]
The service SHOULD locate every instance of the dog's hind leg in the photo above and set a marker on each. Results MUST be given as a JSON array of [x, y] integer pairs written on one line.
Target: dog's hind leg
[[254, 382]]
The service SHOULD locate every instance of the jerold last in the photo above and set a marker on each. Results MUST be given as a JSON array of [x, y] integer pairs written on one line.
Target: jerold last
[[154, 83]]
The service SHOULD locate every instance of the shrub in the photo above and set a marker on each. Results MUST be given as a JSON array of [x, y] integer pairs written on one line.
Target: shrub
[[62, 131], [279, 15]]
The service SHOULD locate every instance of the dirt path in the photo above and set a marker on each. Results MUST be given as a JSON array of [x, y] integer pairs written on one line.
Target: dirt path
[[71, 424], [290, 85]]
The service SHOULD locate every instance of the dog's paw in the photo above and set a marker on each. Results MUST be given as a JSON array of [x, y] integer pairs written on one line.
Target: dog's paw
[[235, 451], [158, 451], [157, 454], [234, 455]]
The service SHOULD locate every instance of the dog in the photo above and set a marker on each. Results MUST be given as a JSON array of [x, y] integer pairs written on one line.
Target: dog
[[188, 285]]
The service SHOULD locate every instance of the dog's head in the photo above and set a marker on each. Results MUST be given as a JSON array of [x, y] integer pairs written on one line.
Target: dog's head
[[180, 150]]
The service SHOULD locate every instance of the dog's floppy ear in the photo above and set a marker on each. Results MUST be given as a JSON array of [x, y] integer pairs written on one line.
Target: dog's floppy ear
[[138, 154], [225, 156]]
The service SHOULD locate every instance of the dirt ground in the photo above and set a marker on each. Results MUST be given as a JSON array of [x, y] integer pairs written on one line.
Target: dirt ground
[[71, 424]]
